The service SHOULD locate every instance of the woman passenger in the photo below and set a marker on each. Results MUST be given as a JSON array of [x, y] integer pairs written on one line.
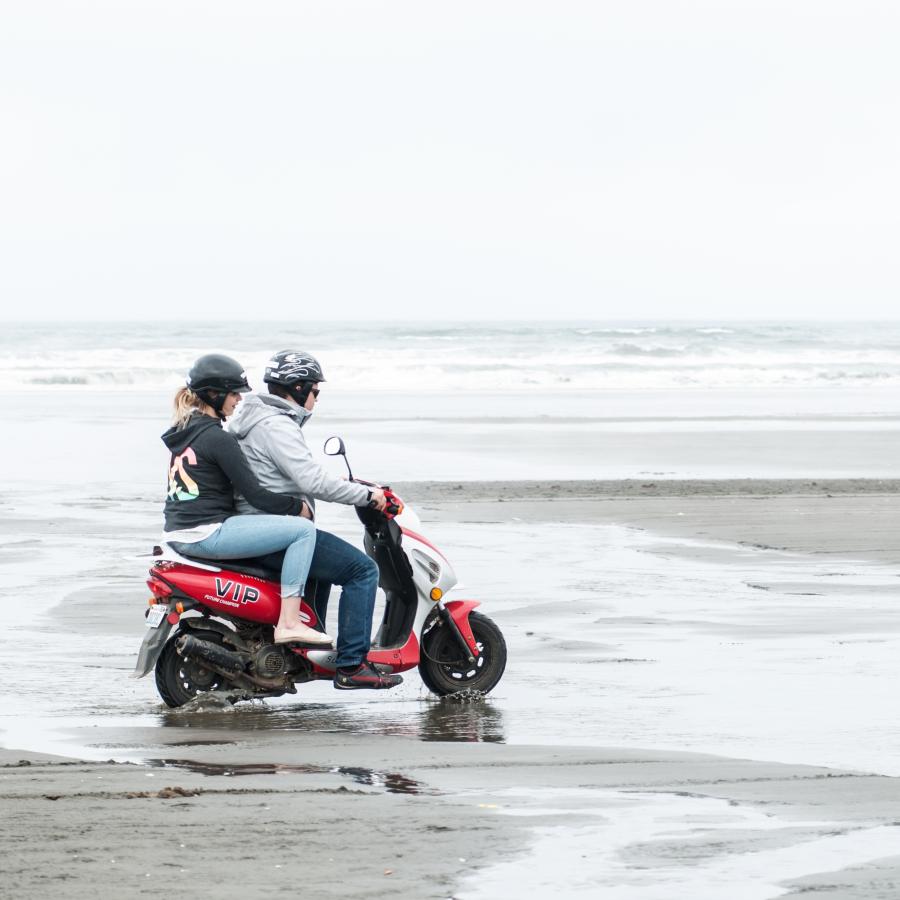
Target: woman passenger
[[207, 468]]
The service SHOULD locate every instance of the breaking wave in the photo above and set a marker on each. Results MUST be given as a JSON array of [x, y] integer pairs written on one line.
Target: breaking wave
[[472, 356]]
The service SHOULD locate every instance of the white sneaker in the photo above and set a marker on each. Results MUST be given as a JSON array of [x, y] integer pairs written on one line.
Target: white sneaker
[[302, 634]]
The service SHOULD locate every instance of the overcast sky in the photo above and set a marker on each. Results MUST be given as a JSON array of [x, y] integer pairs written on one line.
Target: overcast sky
[[721, 159]]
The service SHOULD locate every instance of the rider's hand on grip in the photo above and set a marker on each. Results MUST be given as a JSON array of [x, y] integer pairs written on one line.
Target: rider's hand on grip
[[385, 501], [393, 504], [377, 500]]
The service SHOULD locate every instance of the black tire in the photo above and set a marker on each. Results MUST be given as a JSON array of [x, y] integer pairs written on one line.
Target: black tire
[[179, 680], [444, 669]]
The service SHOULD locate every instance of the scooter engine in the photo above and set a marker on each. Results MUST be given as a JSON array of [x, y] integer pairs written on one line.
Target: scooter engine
[[270, 661]]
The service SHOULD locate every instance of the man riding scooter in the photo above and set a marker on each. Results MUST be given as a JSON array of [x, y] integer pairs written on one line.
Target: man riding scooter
[[269, 430]]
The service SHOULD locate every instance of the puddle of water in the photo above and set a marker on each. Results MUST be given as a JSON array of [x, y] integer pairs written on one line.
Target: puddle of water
[[427, 720], [391, 782], [656, 846], [599, 599]]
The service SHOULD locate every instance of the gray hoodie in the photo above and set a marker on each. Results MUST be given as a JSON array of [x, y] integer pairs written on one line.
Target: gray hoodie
[[268, 430]]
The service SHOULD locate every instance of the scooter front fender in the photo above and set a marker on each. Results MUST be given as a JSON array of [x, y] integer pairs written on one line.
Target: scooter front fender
[[154, 640], [459, 611]]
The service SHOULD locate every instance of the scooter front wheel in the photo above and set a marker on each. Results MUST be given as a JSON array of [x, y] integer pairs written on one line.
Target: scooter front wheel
[[443, 667]]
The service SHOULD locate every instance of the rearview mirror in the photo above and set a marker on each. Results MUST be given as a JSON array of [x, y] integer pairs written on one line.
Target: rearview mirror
[[334, 446]]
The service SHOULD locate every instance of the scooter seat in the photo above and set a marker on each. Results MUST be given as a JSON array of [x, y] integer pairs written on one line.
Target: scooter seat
[[251, 567], [256, 567]]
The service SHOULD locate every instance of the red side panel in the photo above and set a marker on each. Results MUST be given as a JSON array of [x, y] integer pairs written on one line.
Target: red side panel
[[460, 610], [233, 593], [399, 660]]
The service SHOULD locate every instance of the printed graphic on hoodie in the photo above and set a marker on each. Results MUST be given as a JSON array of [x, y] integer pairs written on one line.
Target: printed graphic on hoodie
[[181, 485]]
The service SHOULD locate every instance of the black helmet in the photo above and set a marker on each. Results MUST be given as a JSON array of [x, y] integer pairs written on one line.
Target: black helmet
[[214, 376], [290, 367]]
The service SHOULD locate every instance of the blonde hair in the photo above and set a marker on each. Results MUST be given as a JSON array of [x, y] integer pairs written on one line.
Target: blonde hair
[[186, 401]]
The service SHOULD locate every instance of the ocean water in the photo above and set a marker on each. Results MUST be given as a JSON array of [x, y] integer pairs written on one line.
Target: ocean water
[[562, 357], [475, 401]]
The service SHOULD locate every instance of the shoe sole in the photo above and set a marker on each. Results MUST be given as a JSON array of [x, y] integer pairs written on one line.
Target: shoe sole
[[305, 645], [366, 687]]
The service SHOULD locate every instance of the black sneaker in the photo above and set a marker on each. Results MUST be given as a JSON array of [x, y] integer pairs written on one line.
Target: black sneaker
[[364, 676]]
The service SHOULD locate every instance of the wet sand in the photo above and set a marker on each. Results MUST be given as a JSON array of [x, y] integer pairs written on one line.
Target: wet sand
[[855, 518], [380, 817], [450, 807]]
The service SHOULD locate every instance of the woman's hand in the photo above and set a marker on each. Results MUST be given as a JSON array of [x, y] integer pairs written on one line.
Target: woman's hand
[[305, 511]]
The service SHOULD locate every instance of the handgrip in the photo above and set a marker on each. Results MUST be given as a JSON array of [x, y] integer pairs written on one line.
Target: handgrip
[[393, 505]]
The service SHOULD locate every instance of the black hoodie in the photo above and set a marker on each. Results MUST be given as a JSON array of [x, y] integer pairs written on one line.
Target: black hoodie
[[206, 468]]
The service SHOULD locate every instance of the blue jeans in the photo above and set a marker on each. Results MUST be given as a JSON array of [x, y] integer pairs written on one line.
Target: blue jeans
[[336, 562], [241, 537]]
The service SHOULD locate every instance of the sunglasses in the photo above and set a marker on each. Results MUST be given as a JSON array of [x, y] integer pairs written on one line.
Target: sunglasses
[[315, 392]]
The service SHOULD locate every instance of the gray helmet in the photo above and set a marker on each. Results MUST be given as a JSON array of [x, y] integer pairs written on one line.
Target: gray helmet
[[214, 376], [291, 367]]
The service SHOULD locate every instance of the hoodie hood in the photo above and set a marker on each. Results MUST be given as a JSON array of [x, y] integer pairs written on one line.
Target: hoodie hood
[[177, 439], [256, 408]]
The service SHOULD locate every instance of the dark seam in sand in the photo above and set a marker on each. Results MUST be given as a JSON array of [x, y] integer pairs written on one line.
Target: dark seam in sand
[[524, 764], [795, 778], [626, 488], [189, 792]]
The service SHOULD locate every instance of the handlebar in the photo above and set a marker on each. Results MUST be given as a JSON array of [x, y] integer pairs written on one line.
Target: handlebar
[[393, 506]]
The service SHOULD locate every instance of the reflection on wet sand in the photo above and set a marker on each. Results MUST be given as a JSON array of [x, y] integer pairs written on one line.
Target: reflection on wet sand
[[391, 782], [469, 722], [437, 720]]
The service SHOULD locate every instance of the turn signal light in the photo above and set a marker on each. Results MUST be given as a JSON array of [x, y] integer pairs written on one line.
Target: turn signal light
[[152, 601], [436, 594], [179, 607]]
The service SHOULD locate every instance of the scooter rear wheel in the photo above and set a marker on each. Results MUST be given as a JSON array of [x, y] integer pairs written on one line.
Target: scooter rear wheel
[[445, 671], [179, 680]]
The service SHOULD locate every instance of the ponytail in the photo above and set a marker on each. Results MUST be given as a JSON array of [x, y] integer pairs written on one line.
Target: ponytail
[[186, 401]]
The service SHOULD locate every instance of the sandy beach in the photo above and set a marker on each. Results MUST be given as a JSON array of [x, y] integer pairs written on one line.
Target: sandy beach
[[222, 815], [853, 518], [606, 761], [606, 294]]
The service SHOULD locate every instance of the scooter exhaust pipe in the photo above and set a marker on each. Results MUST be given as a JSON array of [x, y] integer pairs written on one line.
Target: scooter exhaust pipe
[[221, 660]]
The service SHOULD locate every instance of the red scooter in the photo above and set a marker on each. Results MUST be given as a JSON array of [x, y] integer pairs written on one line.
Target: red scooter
[[210, 622]]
